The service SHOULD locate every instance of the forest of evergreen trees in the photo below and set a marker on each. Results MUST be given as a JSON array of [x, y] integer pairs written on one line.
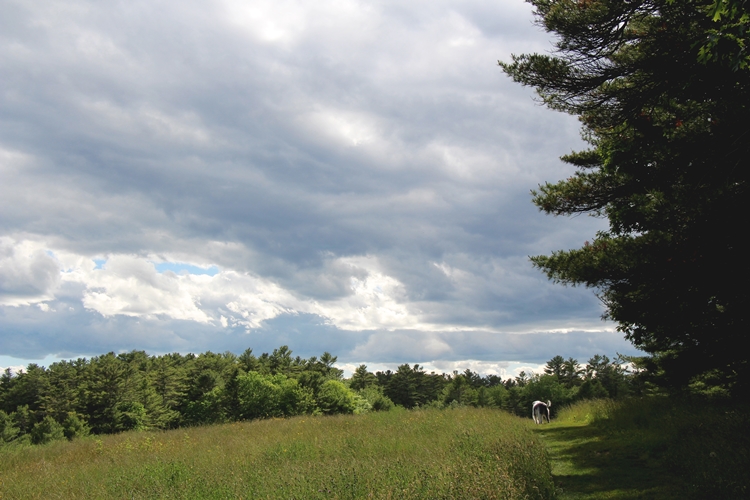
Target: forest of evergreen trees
[[134, 391]]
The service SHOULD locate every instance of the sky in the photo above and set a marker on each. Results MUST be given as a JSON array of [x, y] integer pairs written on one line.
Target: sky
[[344, 176]]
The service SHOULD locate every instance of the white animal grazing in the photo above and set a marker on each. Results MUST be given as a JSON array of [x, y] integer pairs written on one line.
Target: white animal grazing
[[540, 411]]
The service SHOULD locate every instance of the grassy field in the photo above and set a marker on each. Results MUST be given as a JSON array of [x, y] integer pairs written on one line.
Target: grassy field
[[649, 449], [636, 449], [451, 454]]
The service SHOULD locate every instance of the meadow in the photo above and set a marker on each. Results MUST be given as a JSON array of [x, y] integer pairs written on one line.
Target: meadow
[[452, 453], [646, 448]]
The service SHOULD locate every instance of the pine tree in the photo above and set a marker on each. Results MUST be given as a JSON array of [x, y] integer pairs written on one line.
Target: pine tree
[[661, 88], [361, 378]]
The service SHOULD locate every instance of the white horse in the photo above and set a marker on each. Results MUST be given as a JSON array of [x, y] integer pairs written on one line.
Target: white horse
[[540, 411]]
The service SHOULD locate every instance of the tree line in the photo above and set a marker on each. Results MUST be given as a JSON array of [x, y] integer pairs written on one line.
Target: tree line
[[562, 381], [134, 391]]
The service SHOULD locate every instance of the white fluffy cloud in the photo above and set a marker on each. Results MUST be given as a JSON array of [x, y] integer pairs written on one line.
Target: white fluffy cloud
[[28, 274], [131, 286]]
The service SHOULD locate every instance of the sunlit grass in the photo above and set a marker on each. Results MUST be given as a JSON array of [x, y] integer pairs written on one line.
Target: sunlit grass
[[462, 453]]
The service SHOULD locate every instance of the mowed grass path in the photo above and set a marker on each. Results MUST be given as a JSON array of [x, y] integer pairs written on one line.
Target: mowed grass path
[[452, 454], [587, 465], [649, 448]]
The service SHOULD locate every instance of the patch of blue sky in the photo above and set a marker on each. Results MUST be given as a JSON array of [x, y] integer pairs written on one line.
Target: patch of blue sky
[[183, 268], [99, 263]]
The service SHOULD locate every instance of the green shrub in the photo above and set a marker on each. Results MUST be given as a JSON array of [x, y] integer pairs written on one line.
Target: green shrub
[[493, 397], [334, 397], [592, 389], [8, 430], [264, 396], [378, 401], [459, 392], [361, 405], [207, 409], [23, 419], [47, 430], [130, 416], [74, 427], [293, 398]]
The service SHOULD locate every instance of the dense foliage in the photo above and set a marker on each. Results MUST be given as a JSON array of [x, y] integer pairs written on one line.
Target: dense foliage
[[662, 89], [134, 391]]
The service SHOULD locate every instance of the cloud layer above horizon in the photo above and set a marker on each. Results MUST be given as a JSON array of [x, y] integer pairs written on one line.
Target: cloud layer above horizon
[[343, 176]]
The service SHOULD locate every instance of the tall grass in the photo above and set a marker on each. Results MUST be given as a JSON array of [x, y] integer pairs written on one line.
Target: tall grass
[[462, 453], [701, 442]]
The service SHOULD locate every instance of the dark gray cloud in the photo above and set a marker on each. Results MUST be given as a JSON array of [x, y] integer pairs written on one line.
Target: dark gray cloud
[[357, 172]]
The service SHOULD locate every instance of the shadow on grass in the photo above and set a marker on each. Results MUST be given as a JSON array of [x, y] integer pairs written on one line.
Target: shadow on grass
[[589, 464]]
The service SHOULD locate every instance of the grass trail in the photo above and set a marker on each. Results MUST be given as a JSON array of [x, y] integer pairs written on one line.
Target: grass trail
[[587, 464], [654, 448]]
